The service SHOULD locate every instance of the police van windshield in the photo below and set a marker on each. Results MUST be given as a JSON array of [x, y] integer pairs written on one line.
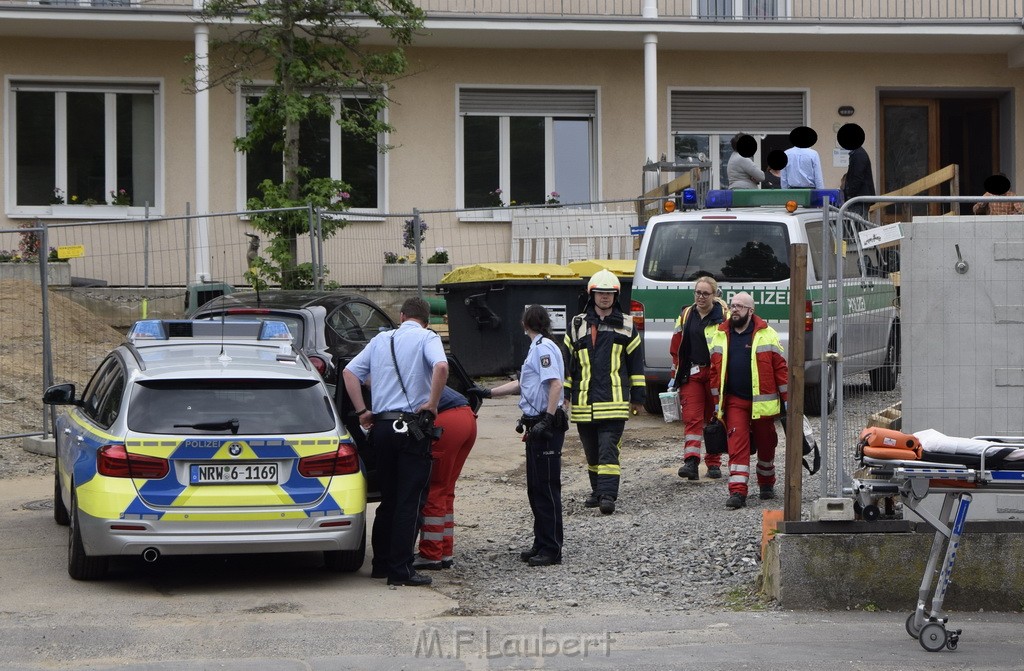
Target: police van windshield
[[731, 251]]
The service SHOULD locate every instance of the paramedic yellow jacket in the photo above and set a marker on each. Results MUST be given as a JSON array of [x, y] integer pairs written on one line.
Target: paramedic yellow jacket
[[768, 370], [719, 313], [605, 370]]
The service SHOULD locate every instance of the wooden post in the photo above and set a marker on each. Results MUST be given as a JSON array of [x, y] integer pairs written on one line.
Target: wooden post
[[795, 409]]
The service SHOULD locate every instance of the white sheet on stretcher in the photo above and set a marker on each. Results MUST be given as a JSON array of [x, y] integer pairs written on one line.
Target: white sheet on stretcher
[[935, 442]]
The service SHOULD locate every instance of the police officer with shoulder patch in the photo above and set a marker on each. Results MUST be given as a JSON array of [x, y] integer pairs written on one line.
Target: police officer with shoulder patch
[[409, 369], [605, 383], [543, 425]]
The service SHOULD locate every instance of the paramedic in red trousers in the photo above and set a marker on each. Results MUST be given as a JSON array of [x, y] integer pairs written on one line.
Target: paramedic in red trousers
[[409, 369], [604, 382], [543, 425], [748, 378], [691, 356], [457, 422]]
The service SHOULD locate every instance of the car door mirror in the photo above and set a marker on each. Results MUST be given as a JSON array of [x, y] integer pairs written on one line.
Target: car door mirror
[[60, 394]]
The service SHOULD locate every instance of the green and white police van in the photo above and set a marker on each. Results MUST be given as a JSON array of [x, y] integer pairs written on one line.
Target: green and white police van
[[742, 239]]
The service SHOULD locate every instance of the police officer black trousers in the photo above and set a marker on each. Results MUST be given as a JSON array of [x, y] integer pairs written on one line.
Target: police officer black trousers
[[544, 490], [403, 472]]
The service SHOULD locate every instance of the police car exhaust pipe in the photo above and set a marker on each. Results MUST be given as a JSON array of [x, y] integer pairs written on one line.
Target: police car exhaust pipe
[[150, 555]]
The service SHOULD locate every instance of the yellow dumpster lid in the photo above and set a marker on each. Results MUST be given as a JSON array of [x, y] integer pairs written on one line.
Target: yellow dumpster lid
[[483, 272], [621, 267]]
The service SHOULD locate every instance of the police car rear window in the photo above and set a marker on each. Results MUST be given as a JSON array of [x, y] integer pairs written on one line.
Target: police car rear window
[[730, 251], [191, 407]]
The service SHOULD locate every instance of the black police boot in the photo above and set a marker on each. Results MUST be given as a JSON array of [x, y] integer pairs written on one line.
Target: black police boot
[[527, 555], [544, 560]]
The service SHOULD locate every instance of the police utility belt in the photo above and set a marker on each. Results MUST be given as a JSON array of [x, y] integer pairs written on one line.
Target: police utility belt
[[527, 422], [417, 424]]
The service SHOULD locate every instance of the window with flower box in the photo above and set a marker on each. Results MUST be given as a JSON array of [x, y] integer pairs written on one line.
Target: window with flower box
[[326, 151], [82, 143], [518, 146]]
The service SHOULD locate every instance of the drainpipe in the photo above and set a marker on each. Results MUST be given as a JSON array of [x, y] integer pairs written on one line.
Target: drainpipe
[[650, 11], [202, 74]]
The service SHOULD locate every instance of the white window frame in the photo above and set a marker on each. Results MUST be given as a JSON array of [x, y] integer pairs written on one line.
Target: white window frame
[[785, 10], [504, 150], [61, 86], [335, 135]]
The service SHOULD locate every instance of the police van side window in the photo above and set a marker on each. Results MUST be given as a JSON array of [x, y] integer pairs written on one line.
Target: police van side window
[[851, 261], [731, 251]]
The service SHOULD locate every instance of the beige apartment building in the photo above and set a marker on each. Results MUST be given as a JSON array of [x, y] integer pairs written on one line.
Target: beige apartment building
[[526, 96]]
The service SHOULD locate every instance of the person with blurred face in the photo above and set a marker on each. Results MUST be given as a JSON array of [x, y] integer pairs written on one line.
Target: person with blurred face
[[749, 381]]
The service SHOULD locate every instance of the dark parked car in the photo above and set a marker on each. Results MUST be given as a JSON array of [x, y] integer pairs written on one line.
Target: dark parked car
[[329, 327]]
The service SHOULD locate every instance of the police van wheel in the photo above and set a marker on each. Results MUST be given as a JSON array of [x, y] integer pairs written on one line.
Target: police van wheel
[[80, 565], [884, 378], [812, 395], [346, 561], [652, 404]]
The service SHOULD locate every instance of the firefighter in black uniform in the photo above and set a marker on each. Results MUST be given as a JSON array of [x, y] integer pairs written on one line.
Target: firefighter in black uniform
[[604, 384]]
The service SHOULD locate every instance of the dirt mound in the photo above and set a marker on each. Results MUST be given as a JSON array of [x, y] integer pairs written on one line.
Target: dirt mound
[[80, 341]]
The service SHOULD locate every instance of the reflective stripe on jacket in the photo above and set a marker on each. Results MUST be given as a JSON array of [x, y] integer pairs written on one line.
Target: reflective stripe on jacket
[[606, 368], [768, 370]]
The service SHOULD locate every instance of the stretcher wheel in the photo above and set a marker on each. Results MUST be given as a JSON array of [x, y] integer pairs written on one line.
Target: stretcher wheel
[[871, 513], [913, 630], [933, 637]]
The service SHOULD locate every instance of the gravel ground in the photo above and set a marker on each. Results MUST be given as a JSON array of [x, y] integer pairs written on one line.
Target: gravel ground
[[670, 545]]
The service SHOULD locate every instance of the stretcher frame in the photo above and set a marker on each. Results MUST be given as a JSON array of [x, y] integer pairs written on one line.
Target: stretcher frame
[[912, 481]]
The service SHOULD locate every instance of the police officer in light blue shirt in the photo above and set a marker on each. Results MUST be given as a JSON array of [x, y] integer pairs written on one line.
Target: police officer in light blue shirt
[[545, 423], [408, 369]]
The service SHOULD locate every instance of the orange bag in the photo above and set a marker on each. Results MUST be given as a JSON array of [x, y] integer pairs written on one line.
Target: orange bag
[[882, 443]]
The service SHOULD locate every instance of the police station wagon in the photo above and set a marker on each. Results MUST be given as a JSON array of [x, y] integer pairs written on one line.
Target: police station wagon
[[205, 437], [742, 239]]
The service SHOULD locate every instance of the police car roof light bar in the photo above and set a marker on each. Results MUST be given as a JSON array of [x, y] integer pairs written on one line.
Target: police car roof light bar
[[165, 329], [726, 198]]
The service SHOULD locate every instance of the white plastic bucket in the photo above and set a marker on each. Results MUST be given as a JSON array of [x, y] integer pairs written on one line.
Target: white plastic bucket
[[670, 406]]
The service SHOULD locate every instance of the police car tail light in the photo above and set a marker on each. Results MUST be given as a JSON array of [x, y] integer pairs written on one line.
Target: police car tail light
[[343, 461], [636, 311], [114, 461], [808, 317]]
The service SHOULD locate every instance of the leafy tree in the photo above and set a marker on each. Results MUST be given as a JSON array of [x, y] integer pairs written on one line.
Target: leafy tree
[[314, 49]]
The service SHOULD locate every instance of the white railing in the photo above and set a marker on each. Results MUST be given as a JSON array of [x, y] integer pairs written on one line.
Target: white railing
[[839, 11]]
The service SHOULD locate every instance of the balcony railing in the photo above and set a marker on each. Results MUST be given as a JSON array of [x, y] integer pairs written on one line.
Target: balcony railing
[[839, 11]]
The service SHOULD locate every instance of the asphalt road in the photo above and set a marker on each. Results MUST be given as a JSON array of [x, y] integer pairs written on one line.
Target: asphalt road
[[287, 612]]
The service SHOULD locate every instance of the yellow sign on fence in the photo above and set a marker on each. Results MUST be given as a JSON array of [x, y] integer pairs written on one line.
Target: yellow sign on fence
[[70, 251]]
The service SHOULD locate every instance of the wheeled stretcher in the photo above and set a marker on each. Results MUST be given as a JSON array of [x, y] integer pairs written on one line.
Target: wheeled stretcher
[[956, 468]]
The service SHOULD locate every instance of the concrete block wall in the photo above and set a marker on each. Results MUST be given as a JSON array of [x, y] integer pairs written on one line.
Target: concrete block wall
[[834, 571], [963, 364]]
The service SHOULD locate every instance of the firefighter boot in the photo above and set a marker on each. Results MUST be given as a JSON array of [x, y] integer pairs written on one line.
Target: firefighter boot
[[592, 501], [689, 468], [607, 505]]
